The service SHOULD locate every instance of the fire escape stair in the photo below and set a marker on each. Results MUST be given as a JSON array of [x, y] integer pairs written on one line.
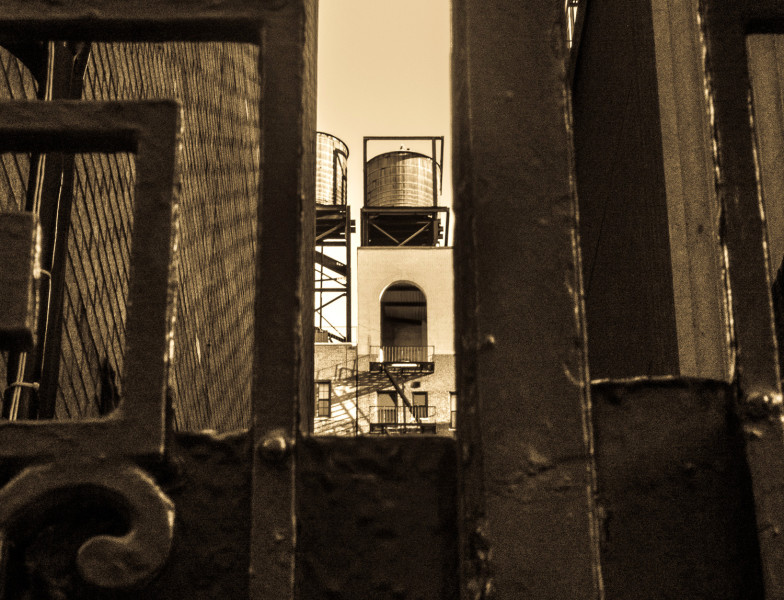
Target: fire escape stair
[[352, 384]]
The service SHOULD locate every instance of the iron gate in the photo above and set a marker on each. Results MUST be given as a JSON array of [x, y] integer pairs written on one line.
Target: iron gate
[[533, 498]]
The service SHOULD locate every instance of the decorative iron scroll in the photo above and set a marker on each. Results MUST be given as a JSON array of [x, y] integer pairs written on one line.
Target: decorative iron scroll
[[95, 454], [109, 562]]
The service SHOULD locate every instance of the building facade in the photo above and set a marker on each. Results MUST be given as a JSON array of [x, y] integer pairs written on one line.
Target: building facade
[[398, 375]]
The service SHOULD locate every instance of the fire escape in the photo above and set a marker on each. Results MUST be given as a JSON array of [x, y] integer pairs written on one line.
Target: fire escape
[[398, 365]]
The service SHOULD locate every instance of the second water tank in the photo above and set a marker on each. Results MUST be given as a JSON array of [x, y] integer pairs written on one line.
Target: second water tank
[[331, 158]]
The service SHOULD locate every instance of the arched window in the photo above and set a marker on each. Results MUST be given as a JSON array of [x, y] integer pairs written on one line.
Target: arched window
[[403, 321]]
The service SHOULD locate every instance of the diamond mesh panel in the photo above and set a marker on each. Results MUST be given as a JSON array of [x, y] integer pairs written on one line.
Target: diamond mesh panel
[[217, 85], [16, 83]]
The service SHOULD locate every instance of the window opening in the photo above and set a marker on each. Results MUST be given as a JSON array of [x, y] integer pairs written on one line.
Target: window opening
[[323, 398], [419, 402], [386, 409]]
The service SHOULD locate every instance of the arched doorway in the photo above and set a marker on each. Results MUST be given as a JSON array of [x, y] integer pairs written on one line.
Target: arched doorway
[[404, 323]]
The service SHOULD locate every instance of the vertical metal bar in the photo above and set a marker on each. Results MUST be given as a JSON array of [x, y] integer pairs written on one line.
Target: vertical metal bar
[[42, 199], [441, 162], [364, 171], [348, 273], [524, 464], [435, 173], [743, 238], [49, 357], [283, 354], [335, 153], [364, 218], [446, 229], [321, 289], [743, 235]]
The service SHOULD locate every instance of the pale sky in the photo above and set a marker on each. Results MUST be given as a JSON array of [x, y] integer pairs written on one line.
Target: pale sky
[[383, 70]]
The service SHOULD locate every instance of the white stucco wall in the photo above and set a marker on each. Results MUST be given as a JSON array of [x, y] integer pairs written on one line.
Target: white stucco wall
[[429, 268]]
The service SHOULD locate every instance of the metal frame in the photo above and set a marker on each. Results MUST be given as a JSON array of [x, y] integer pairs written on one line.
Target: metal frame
[[333, 228], [151, 130], [519, 482], [743, 237], [374, 217], [488, 294], [140, 20], [285, 31], [525, 473]]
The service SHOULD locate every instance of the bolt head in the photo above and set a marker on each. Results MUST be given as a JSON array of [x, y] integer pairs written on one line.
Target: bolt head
[[274, 447]]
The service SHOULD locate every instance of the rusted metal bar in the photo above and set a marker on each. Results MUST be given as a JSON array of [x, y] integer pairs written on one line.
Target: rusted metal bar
[[283, 356], [674, 492], [743, 239], [525, 488], [378, 518], [743, 235], [135, 20]]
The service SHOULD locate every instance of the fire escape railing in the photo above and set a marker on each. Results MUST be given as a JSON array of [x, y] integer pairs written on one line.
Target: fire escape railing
[[392, 415], [402, 354]]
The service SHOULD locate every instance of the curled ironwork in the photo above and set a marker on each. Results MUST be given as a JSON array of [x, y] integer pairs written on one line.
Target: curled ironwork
[[105, 561]]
